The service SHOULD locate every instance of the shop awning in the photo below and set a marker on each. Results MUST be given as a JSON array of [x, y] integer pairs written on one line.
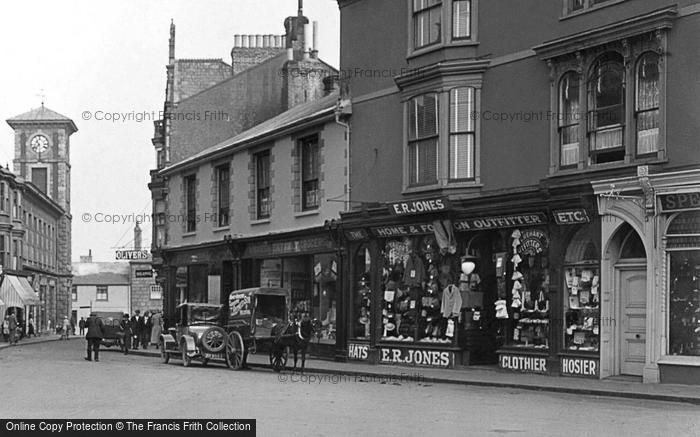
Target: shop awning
[[15, 291]]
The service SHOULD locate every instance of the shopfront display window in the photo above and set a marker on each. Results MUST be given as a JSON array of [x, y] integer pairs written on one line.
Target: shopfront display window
[[421, 299], [582, 307], [362, 298], [529, 298], [683, 246]]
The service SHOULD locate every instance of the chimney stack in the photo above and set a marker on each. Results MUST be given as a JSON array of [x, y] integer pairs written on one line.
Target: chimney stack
[[308, 36], [137, 237]]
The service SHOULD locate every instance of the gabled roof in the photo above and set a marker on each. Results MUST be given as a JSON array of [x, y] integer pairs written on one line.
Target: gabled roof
[[41, 114], [267, 130], [104, 278]]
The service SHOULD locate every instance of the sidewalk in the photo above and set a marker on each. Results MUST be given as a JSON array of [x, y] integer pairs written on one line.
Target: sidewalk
[[34, 340], [487, 377]]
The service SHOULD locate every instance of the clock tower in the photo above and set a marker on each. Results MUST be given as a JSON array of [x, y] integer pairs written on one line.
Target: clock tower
[[42, 152], [42, 165]]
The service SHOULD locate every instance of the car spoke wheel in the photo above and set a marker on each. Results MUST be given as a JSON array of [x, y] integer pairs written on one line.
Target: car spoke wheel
[[186, 359], [164, 355], [235, 351], [213, 340], [278, 358]]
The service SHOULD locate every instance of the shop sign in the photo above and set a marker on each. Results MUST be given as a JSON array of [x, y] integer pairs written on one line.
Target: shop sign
[[523, 363], [533, 242], [503, 221], [276, 248], [181, 277], [570, 216], [402, 230], [358, 351], [143, 273], [423, 206], [571, 366], [356, 235], [679, 201], [131, 254], [416, 357]]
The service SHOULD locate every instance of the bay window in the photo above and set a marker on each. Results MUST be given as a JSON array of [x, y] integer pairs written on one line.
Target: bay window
[[423, 140], [427, 22], [436, 22], [462, 133]]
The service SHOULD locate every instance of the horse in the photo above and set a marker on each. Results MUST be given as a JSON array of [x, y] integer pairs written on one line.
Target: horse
[[296, 336]]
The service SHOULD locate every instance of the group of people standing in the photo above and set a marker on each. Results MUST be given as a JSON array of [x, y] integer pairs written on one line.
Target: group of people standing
[[141, 330]]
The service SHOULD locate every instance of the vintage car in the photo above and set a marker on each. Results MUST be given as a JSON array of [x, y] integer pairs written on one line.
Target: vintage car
[[112, 334], [197, 334]]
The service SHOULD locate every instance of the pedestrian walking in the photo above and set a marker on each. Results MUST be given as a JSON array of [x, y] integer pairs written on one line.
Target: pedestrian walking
[[81, 325], [125, 327], [12, 324], [146, 330], [136, 323], [6, 329], [65, 330], [30, 328], [156, 329], [94, 336], [72, 326]]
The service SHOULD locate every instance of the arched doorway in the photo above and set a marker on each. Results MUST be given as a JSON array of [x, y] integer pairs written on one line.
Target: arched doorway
[[628, 318]]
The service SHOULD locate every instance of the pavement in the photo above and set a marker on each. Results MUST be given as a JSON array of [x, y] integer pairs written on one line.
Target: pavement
[[474, 376]]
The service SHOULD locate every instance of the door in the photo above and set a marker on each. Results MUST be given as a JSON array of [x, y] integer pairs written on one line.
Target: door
[[633, 307]]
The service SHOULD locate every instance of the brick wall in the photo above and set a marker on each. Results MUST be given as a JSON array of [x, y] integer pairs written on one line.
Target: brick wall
[[195, 75], [243, 58]]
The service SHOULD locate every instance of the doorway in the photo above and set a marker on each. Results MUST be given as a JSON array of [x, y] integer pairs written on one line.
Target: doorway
[[631, 298]]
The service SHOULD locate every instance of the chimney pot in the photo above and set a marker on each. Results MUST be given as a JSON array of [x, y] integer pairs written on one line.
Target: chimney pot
[[258, 40], [314, 47], [266, 41], [251, 41], [236, 40], [244, 41]]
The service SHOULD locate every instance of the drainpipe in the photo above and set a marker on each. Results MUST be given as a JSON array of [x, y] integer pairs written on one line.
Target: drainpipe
[[347, 149]]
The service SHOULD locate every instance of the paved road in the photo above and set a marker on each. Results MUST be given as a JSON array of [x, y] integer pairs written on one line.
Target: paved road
[[52, 380]]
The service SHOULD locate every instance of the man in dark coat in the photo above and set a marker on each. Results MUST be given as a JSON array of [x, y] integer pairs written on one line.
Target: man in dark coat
[[94, 336], [125, 326], [81, 325], [136, 323]]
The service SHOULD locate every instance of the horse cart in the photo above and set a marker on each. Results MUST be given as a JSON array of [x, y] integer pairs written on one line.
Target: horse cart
[[258, 317], [254, 317]]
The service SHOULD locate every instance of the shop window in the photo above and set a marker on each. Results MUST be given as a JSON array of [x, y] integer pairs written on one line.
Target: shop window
[[529, 289], [310, 171], [423, 141], [262, 184], [191, 203], [223, 177], [606, 103], [569, 120], [197, 283], [683, 247], [427, 22], [362, 298], [325, 297], [102, 293], [647, 103]]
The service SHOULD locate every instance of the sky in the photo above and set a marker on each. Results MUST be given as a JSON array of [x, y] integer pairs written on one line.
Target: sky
[[103, 57]]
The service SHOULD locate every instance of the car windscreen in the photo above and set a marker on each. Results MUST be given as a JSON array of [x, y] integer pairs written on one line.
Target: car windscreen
[[204, 314]]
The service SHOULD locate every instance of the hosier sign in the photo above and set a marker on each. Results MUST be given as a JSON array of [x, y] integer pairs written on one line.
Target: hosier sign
[[416, 357]]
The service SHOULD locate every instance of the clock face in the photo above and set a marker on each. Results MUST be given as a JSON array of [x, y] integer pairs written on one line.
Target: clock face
[[39, 144]]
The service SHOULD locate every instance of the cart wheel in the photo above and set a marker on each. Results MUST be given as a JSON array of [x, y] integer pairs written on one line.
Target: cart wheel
[[186, 359], [278, 358], [164, 355], [214, 340], [235, 351]]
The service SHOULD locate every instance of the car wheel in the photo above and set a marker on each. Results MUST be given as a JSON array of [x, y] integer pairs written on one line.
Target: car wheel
[[278, 358], [186, 359], [213, 340], [235, 351], [164, 355]]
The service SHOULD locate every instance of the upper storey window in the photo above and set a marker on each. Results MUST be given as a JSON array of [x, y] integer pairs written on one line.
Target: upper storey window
[[439, 22], [427, 22], [606, 105], [578, 6]]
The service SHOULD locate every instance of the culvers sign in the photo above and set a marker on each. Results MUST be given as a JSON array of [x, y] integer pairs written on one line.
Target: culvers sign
[[416, 357]]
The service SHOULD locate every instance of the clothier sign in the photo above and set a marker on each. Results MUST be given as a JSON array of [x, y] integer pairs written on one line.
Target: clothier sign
[[423, 206], [416, 357], [523, 363]]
